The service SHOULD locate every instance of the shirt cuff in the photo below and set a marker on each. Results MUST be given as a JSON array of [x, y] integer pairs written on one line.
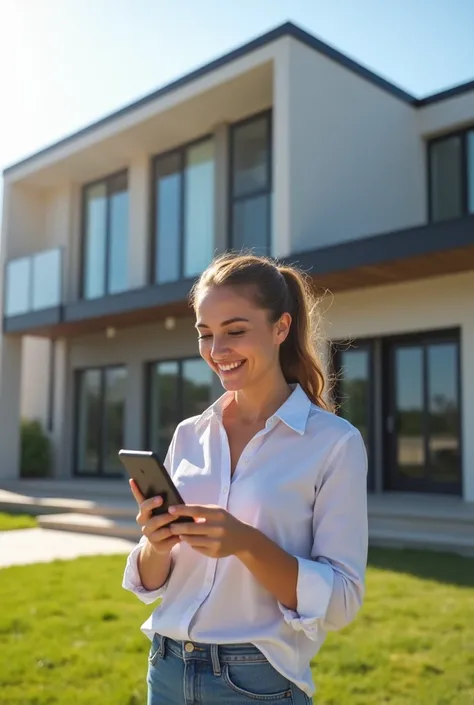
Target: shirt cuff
[[132, 582], [313, 593]]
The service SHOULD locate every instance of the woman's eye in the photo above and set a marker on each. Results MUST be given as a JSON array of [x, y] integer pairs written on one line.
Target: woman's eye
[[203, 337], [237, 332]]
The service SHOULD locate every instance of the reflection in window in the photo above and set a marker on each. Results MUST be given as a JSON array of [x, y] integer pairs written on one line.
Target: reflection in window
[[470, 171], [168, 189], [354, 394], [106, 229], [251, 185], [184, 211], [178, 390], [444, 450], [409, 411], [451, 161], [199, 208], [100, 420]]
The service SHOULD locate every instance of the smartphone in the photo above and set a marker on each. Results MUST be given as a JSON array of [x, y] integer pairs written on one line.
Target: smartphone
[[152, 479]]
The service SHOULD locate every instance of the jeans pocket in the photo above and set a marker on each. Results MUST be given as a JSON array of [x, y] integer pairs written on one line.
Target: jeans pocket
[[155, 650], [257, 681]]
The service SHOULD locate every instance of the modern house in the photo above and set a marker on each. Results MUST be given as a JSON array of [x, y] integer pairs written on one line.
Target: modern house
[[286, 146]]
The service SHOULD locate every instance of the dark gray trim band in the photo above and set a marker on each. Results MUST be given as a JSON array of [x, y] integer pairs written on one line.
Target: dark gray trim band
[[33, 319], [388, 247]]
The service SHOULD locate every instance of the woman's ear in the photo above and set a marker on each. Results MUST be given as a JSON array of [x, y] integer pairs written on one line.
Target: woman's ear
[[283, 327]]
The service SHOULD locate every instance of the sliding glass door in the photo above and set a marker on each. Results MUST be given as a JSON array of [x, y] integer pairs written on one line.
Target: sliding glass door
[[100, 406]]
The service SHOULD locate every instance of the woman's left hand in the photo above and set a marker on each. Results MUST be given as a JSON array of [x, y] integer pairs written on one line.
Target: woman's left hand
[[214, 531]]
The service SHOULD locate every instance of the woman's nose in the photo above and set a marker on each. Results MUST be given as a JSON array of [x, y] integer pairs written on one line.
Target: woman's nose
[[219, 348]]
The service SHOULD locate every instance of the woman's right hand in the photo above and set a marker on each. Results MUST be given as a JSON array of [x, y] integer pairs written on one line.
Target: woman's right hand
[[155, 528]]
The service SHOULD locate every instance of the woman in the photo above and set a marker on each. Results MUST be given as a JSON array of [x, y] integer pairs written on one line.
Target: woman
[[276, 484]]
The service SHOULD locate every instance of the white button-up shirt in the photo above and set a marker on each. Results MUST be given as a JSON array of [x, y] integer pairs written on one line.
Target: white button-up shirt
[[302, 482]]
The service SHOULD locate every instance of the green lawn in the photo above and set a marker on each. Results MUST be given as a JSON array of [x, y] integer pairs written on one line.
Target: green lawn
[[69, 634], [8, 522]]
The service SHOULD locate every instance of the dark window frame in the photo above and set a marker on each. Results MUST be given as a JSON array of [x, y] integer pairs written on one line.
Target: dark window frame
[[78, 372], [422, 338], [463, 135], [232, 200], [338, 347], [149, 367], [103, 180], [181, 151]]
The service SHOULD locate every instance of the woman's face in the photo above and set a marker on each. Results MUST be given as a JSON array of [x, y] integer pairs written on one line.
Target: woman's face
[[236, 339]]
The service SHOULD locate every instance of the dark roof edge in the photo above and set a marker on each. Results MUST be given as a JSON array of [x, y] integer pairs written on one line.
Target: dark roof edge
[[444, 95], [286, 29]]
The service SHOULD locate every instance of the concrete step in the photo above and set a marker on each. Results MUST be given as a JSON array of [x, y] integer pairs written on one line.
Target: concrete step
[[452, 543], [460, 527], [91, 524], [14, 503], [83, 488]]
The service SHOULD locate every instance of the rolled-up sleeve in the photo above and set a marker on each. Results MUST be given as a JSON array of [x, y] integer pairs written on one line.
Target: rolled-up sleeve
[[131, 578], [132, 582], [330, 586]]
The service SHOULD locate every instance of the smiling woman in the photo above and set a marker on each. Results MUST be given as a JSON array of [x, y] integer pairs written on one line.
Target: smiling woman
[[276, 484]]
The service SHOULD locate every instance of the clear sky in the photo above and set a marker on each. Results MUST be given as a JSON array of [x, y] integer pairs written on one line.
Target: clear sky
[[66, 63]]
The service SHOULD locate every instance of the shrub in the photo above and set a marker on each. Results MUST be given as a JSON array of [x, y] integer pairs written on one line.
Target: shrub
[[35, 450]]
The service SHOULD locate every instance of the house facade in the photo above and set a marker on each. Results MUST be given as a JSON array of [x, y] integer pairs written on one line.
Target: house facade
[[284, 146]]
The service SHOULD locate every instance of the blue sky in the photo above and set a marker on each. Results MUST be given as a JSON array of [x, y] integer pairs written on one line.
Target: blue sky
[[66, 63]]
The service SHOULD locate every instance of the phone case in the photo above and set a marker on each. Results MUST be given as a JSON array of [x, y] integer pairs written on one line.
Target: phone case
[[152, 479]]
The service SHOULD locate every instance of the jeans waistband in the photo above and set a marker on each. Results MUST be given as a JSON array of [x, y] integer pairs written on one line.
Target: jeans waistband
[[215, 653]]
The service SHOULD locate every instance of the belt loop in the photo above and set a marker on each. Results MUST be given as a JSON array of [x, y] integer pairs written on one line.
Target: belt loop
[[216, 666], [162, 647]]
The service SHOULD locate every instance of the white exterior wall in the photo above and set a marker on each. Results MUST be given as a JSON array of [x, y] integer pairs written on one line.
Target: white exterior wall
[[352, 163], [429, 305]]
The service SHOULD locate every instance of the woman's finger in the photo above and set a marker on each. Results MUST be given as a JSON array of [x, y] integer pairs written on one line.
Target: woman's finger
[[136, 492]]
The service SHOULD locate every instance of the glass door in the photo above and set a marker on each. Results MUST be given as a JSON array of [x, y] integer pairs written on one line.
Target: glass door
[[422, 429], [100, 407], [354, 393]]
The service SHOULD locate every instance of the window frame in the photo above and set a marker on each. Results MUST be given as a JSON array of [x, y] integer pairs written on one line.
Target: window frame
[[78, 372], [147, 396], [181, 152], [463, 135], [392, 482], [266, 114], [338, 347], [102, 180]]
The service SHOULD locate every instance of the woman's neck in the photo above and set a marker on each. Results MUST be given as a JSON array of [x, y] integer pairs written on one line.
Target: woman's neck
[[258, 404]]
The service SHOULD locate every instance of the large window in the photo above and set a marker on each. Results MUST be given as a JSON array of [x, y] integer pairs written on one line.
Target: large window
[[355, 394], [251, 184], [423, 413], [183, 212], [177, 390], [105, 237], [100, 406], [451, 174]]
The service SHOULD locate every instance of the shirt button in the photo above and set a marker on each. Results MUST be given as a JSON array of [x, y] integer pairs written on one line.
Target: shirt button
[[225, 489], [189, 647]]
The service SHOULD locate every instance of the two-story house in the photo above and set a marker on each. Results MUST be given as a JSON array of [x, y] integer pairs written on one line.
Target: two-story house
[[286, 146]]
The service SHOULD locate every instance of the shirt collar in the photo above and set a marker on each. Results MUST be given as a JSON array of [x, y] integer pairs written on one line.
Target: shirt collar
[[293, 412]]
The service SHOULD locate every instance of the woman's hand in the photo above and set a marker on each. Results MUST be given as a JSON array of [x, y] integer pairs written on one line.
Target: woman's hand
[[155, 528], [214, 532]]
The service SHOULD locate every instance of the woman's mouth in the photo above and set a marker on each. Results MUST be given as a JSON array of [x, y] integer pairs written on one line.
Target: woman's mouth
[[229, 367]]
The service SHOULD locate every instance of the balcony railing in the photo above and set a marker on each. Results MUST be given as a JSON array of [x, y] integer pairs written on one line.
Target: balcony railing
[[33, 283]]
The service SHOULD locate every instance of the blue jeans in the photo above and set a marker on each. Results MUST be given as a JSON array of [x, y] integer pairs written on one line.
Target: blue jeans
[[187, 673]]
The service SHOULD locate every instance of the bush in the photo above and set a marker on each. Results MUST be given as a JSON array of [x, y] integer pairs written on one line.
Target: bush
[[35, 450]]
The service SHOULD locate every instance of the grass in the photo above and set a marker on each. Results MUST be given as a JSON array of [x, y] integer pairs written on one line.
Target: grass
[[8, 522], [69, 634]]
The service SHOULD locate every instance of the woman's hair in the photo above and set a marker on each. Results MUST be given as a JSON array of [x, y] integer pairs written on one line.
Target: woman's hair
[[278, 289]]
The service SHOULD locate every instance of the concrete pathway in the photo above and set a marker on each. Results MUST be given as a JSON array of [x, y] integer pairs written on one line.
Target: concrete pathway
[[24, 546]]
